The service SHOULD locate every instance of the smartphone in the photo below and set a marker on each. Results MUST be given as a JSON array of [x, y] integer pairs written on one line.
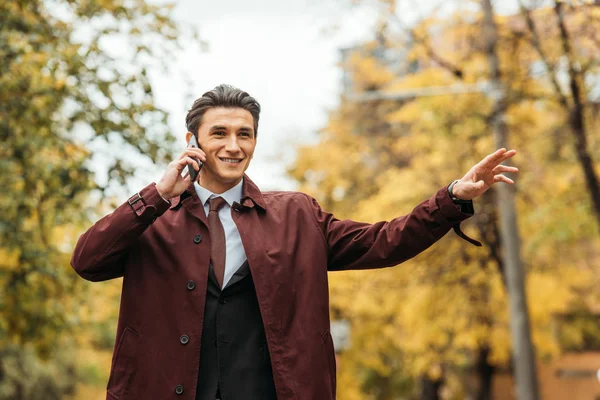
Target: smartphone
[[193, 173]]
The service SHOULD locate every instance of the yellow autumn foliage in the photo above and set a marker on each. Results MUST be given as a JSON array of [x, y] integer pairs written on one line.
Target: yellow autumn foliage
[[433, 315]]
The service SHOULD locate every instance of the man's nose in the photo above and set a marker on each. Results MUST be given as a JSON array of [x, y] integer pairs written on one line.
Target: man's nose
[[232, 144]]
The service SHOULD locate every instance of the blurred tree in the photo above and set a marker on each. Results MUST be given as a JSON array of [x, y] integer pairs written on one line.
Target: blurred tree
[[64, 88], [572, 71], [523, 352], [442, 317]]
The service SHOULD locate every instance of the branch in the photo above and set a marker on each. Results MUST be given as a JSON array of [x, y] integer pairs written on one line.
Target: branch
[[566, 44], [535, 39], [453, 69]]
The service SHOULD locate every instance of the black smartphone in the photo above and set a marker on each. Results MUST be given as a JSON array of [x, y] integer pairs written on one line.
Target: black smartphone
[[193, 173]]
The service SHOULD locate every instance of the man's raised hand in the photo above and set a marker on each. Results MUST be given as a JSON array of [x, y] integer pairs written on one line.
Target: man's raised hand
[[484, 174]]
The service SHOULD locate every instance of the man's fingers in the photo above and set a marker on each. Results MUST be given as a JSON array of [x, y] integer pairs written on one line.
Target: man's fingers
[[181, 164], [502, 178], [495, 156], [491, 160], [194, 153], [500, 155], [507, 155], [195, 165], [504, 168], [197, 153]]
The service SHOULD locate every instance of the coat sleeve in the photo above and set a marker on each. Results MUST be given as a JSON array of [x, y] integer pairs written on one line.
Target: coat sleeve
[[101, 252], [357, 245]]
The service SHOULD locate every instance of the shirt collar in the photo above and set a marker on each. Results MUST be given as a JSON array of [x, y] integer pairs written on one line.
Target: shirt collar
[[232, 195]]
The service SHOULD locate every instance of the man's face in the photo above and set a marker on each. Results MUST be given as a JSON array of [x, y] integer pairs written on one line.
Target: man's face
[[226, 135]]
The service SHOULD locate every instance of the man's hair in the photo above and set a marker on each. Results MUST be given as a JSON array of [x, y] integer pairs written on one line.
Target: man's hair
[[221, 96]]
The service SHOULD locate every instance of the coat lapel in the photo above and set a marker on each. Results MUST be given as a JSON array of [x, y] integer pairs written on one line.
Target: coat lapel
[[190, 201]]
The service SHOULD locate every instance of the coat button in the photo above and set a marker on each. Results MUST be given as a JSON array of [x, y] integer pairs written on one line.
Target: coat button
[[184, 339], [197, 239], [222, 300], [191, 285], [179, 389]]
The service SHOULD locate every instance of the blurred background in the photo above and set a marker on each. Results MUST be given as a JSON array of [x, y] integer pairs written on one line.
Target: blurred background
[[368, 105]]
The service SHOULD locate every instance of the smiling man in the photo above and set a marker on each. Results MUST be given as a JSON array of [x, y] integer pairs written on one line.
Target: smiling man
[[225, 292]]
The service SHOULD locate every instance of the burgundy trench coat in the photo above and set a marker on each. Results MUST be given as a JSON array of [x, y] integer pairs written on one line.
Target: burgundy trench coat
[[162, 253]]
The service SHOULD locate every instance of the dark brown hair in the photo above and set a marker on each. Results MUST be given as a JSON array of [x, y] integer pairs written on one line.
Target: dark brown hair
[[221, 96]]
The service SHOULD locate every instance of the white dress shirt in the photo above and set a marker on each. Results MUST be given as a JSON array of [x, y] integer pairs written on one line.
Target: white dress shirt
[[235, 255]]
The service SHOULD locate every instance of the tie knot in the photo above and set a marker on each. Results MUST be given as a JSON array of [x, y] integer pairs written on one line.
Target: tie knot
[[216, 203]]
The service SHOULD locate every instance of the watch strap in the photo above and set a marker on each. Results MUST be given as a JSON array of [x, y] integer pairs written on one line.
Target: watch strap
[[455, 199]]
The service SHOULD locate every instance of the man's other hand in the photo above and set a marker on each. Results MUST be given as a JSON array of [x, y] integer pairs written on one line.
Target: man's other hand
[[484, 174], [172, 183]]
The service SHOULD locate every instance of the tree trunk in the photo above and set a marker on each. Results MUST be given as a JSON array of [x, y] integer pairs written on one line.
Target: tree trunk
[[576, 116], [430, 389], [576, 110], [485, 373], [522, 347]]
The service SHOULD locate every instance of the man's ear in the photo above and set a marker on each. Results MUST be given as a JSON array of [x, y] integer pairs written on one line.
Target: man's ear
[[188, 136]]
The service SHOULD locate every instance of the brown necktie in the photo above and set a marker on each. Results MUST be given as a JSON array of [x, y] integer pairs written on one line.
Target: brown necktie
[[217, 237]]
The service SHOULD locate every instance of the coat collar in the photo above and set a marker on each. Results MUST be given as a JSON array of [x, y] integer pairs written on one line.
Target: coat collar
[[231, 196], [189, 193], [251, 196]]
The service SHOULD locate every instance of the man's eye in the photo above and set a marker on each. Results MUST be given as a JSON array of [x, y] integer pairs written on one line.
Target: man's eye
[[220, 133], [247, 134]]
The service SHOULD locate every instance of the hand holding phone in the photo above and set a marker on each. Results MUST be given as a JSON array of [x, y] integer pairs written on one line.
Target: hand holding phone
[[173, 183], [193, 173]]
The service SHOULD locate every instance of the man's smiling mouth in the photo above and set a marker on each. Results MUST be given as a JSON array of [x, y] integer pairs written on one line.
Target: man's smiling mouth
[[231, 160]]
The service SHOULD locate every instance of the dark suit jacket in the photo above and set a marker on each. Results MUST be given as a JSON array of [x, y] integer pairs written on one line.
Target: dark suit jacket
[[233, 350], [163, 255]]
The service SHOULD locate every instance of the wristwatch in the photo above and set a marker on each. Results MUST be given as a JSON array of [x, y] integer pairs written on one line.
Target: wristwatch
[[455, 199]]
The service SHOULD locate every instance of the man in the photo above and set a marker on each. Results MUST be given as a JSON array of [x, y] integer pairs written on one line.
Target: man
[[225, 291]]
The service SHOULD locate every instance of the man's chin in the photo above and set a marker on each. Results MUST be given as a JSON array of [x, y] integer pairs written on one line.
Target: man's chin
[[231, 179], [233, 174]]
